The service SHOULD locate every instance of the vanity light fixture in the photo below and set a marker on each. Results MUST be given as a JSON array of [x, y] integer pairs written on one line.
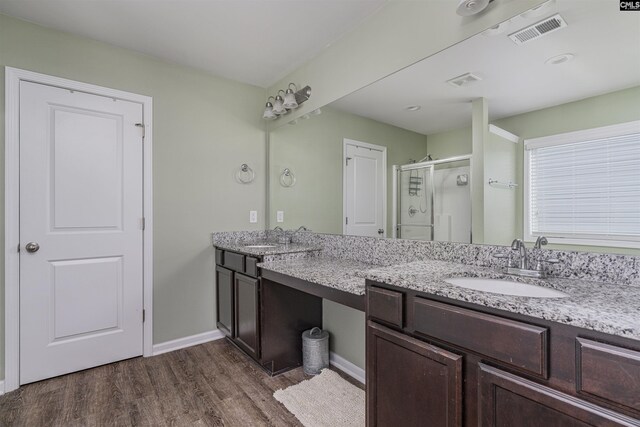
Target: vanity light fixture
[[268, 111], [278, 105], [290, 98], [413, 107], [285, 101], [559, 59], [471, 7]]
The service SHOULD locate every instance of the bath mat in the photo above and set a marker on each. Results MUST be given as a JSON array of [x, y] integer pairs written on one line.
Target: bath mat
[[326, 400]]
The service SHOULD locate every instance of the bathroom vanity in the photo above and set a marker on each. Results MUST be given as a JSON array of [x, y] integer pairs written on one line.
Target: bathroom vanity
[[439, 361], [441, 354], [263, 320]]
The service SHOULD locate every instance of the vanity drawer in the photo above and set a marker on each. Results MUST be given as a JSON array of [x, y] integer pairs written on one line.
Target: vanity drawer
[[233, 261], [608, 372], [251, 266], [385, 305], [219, 257], [515, 344]]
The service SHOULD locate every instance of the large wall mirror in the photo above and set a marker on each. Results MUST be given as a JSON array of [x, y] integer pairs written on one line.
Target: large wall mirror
[[531, 127]]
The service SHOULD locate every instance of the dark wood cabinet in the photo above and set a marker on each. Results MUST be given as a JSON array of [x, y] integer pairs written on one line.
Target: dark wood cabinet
[[262, 318], [508, 400], [509, 369], [247, 308], [224, 301], [608, 373], [395, 394]]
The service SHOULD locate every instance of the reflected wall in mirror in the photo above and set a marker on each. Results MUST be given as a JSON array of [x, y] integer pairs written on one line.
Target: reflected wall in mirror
[[508, 95]]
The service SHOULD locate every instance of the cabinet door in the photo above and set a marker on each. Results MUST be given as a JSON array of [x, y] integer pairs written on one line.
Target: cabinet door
[[224, 300], [410, 382], [507, 400], [247, 305]]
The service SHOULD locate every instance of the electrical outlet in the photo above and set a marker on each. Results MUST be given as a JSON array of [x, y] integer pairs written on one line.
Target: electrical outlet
[[253, 216], [280, 216]]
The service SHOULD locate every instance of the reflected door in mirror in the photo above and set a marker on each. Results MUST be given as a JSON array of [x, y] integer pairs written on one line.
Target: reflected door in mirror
[[364, 195]]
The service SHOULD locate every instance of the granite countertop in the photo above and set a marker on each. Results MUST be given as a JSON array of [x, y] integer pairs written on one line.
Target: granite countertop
[[341, 274], [277, 249], [604, 307]]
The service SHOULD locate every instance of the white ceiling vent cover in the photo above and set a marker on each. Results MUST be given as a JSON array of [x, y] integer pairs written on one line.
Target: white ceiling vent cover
[[535, 31], [464, 80]]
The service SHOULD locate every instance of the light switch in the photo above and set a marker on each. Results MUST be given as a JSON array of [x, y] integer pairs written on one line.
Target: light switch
[[280, 216], [253, 216]]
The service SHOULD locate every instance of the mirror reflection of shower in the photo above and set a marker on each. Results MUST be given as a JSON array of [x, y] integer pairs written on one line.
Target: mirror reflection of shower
[[433, 200]]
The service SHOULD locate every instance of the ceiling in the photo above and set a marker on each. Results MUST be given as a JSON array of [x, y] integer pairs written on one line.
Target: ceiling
[[256, 42], [515, 78]]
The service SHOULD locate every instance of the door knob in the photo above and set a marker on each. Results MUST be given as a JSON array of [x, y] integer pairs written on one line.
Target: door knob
[[32, 247], [380, 231]]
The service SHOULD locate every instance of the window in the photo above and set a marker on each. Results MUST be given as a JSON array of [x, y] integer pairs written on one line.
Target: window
[[584, 187]]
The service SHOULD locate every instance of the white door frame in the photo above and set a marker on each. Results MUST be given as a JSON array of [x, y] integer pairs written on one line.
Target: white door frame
[[353, 142], [13, 77]]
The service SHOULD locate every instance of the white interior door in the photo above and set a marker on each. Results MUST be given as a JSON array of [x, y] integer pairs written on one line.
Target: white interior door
[[365, 189], [81, 203]]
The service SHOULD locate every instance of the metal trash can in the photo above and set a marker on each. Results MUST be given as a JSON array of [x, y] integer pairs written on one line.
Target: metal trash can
[[315, 351]]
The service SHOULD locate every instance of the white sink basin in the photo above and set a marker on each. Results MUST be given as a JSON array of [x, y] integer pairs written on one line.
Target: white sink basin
[[261, 246], [505, 287]]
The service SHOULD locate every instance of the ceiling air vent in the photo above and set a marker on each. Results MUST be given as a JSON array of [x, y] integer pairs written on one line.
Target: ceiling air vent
[[464, 80], [538, 30]]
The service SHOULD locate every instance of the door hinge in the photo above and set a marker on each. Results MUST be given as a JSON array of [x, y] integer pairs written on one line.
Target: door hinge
[[18, 247], [144, 223], [141, 125], [346, 160], [346, 220], [144, 315]]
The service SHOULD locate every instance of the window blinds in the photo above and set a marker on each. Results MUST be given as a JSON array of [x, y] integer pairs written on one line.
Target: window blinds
[[588, 189]]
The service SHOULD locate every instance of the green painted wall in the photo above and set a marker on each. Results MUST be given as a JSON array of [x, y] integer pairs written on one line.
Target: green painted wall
[[204, 128], [312, 149], [347, 328], [500, 203], [456, 142]]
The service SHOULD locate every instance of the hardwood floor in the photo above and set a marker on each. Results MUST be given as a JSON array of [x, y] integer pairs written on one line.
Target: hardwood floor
[[212, 384]]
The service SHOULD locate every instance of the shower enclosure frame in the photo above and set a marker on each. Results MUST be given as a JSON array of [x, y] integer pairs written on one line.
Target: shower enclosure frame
[[397, 169]]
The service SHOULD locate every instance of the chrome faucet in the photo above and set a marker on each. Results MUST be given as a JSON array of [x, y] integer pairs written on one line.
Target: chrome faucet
[[523, 268], [518, 245], [282, 238]]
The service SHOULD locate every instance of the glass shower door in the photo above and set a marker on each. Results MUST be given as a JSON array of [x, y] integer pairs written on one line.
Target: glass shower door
[[415, 203]]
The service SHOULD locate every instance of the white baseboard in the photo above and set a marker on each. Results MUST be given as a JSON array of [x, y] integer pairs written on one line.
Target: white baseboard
[[167, 346], [1, 387], [347, 367]]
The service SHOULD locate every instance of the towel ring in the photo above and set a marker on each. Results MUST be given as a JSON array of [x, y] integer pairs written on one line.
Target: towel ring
[[287, 178], [245, 174]]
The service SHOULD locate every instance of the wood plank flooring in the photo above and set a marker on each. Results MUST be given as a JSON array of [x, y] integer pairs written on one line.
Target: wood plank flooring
[[212, 384]]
